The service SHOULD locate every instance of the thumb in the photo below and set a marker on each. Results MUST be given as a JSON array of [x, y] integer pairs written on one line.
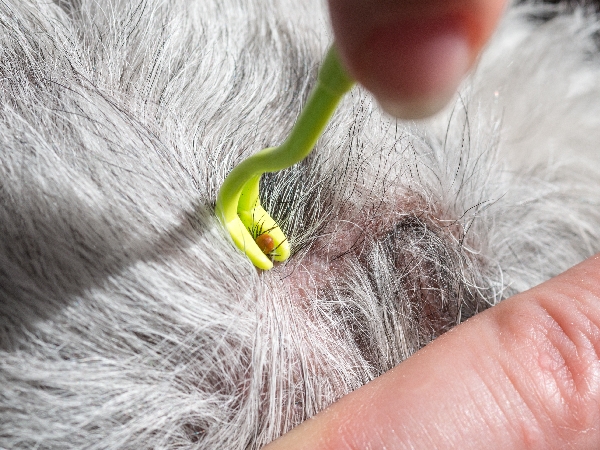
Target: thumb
[[412, 54], [523, 374]]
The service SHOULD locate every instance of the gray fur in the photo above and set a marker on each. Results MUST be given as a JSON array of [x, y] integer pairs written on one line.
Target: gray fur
[[127, 317]]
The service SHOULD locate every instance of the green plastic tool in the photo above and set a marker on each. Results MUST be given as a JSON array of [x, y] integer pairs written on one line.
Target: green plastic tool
[[238, 205]]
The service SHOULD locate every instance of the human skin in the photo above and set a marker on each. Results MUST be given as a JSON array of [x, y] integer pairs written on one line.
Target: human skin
[[523, 374], [412, 54]]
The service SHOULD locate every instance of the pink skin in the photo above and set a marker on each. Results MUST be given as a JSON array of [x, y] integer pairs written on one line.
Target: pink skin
[[524, 374]]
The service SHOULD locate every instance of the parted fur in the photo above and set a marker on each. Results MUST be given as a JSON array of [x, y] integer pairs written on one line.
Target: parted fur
[[127, 317]]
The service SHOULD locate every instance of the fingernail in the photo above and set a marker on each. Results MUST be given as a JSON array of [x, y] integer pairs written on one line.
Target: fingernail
[[414, 67]]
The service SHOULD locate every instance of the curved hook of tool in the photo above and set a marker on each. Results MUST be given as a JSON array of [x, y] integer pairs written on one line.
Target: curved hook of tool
[[238, 205]]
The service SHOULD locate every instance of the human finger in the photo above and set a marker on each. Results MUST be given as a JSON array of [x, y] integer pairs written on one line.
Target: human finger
[[412, 54]]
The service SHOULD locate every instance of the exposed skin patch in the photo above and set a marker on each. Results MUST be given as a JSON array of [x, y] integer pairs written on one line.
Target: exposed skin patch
[[407, 227]]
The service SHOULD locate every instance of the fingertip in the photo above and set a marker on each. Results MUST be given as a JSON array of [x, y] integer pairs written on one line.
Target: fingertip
[[412, 56], [414, 78]]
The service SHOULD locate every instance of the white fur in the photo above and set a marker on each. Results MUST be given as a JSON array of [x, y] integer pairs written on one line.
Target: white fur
[[127, 317]]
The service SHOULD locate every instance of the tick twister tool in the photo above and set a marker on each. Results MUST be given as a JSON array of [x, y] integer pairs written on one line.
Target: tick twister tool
[[238, 205]]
